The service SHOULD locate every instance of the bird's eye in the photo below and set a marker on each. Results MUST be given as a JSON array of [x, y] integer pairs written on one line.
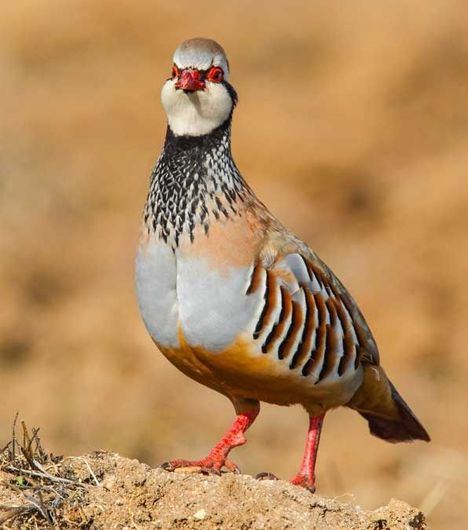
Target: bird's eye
[[175, 72], [215, 74]]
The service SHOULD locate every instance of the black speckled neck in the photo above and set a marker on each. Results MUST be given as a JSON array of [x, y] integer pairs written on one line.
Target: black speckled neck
[[194, 182]]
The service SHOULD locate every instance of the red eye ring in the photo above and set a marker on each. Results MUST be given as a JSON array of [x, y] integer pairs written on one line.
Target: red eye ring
[[175, 72], [215, 74]]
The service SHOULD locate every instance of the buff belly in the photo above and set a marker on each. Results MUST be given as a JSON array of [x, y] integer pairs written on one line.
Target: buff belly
[[241, 372]]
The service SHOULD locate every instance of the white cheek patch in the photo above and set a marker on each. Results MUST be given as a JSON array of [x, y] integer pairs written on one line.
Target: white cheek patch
[[197, 113]]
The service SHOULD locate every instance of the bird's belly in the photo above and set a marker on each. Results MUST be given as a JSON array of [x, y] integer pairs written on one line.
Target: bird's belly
[[179, 293], [214, 309], [242, 371]]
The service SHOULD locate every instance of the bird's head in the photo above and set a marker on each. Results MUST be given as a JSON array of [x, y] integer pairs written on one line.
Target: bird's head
[[197, 97]]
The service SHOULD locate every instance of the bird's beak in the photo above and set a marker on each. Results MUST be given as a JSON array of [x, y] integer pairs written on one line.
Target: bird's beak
[[190, 81]]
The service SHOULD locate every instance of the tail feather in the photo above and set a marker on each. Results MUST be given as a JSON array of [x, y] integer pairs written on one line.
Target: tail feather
[[388, 415], [405, 429]]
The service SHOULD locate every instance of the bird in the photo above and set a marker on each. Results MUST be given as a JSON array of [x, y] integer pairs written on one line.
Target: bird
[[235, 300]]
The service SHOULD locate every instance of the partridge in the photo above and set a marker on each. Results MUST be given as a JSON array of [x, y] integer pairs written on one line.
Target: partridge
[[236, 301]]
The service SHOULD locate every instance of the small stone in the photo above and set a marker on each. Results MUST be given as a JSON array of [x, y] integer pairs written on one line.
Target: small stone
[[200, 515]]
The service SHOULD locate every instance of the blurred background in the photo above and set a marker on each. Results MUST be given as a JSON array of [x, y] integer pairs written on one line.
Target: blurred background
[[352, 126]]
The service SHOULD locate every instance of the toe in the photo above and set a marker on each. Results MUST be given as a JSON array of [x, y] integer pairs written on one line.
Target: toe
[[173, 465], [207, 466]]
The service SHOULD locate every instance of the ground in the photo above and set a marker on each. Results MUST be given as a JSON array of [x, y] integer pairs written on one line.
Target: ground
[[105, 490]]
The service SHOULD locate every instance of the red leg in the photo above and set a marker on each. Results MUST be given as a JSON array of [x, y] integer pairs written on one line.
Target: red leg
[[306, 475], [217, 458]]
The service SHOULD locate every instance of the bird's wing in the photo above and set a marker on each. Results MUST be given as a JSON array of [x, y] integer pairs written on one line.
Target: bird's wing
[[308, 316]]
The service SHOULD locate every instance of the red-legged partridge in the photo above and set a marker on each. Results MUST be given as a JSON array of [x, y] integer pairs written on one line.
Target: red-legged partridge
[[235, 300]]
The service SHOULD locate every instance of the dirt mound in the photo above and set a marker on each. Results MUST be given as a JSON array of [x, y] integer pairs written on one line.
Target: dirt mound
[[105, 490]]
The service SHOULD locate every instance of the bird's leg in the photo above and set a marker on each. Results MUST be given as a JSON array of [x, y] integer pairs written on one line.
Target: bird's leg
[[306, 475], [217, 458]]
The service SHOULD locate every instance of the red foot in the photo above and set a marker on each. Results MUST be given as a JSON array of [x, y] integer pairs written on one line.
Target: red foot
[[218, 457], [208, 465], [304, 481]]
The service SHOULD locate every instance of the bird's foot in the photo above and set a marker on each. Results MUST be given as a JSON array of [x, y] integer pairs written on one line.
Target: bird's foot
[[304, 481], [266, 475], [207, 466]]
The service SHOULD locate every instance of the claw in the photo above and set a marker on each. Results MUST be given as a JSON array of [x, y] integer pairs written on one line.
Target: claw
[[232, 467]]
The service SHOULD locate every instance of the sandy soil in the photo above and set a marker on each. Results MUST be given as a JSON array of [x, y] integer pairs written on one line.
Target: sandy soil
[[115, 492], [352, 126]]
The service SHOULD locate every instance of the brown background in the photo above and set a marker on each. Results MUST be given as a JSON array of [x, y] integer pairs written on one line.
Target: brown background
[[352, 126]]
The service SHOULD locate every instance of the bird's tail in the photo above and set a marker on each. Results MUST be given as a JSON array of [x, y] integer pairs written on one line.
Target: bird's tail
[[387, 413]]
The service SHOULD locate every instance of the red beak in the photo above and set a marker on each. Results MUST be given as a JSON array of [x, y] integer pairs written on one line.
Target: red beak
[[190, 81]]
